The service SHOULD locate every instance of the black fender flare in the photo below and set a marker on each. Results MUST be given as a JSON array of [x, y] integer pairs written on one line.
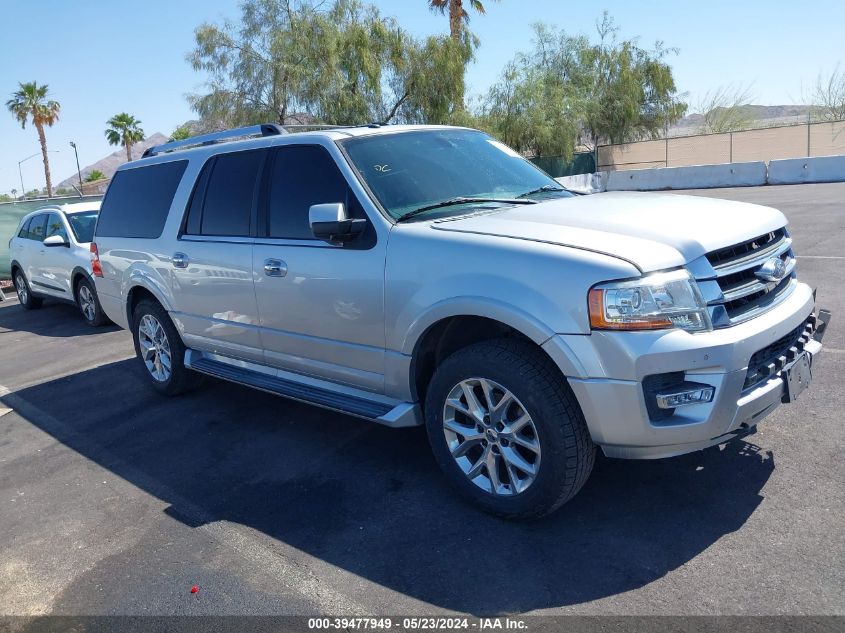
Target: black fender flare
[[75, 274]]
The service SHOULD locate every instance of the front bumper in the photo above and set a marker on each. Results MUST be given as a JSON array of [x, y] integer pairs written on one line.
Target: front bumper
[[613, 365]]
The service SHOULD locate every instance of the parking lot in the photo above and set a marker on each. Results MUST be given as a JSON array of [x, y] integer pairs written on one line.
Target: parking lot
[[114, 500]]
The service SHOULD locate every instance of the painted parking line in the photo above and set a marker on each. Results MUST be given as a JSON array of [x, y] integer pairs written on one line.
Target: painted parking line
[[820, 257]]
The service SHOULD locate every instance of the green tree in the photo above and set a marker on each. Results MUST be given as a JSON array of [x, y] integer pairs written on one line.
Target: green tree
[[124, 129], [339, 63], [31, 102], [569, 89], [181, 133], [95, 174], [458, 18]]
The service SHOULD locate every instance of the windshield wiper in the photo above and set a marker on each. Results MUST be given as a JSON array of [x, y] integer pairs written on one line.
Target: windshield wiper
[[460, 200], [541, 190]]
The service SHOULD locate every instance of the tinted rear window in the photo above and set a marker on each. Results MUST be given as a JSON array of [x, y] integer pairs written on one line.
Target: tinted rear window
[[229, 194], [137, 201]]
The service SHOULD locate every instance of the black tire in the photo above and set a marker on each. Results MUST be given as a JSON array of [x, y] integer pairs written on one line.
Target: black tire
[[89, 304], [180, 378], [25, 296], [566, 451]]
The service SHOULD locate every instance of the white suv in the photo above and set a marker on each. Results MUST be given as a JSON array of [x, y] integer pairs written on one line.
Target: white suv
[[51, 257]]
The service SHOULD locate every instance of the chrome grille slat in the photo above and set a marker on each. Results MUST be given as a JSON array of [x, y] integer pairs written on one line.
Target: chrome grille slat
[[757, 286], [728, 278], [744, 291], [757, 259]]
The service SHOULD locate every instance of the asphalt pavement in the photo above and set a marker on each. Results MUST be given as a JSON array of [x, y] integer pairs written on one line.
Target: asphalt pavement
[[115, 500]]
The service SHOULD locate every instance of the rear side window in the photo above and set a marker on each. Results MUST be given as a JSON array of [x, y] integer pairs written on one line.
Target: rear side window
[[224, 196], [301, 176], [24, 232], [38, 227], [138, 200]]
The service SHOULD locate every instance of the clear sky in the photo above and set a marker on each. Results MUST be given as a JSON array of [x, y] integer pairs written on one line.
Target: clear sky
[[102, 57]]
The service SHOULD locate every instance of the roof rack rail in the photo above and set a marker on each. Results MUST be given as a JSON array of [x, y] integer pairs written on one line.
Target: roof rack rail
[[265, 129]]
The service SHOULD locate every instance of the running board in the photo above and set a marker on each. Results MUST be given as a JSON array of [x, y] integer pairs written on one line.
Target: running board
[[401, 415]]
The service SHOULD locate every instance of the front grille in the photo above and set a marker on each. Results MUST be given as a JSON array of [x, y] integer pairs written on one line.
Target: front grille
[[767, 362], [739, 292], [737, 251]]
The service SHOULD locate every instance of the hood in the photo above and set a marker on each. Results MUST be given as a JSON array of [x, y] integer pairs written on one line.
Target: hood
[[652, 231]]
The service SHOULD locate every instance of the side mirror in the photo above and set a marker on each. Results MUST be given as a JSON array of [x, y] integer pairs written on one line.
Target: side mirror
[[56, 240], [330, 223]]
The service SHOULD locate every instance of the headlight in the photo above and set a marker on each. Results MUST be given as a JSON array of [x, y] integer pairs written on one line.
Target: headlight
[[653, 302]]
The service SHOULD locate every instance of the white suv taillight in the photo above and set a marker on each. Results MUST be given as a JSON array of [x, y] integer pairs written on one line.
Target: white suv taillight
[[95, 261]]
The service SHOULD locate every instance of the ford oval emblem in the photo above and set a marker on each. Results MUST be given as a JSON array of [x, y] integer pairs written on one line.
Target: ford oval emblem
[[773, 269]]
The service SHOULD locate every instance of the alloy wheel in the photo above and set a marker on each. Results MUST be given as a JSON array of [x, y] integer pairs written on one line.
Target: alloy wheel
[[491, 437], [155, 348], [20, 286], [86, 302]]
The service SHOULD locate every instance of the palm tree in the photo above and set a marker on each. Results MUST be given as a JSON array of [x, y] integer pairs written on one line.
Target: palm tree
[[124, 129], [30, 102], [457, 14]]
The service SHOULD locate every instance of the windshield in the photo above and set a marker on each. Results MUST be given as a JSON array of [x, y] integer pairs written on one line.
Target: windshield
[[82, 224], [410, 170]]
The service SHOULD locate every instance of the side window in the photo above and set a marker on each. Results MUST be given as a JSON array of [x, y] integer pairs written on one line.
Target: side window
[[38, 227], [225, 194], [24, 232], [56, 226], [138, 200], [302, 176]]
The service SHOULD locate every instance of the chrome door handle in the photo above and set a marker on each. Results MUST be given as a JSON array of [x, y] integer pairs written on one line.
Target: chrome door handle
[[275, 268], [179, 260]]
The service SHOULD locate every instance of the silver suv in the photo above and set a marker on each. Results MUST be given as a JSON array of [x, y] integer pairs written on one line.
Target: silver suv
[[416, 275], [50, 258]]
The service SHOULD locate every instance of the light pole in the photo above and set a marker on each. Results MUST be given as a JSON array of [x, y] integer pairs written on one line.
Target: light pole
[[20, 172], [78, 172]]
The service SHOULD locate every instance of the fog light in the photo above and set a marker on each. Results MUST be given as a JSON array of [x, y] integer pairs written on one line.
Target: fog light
[[683, 394]]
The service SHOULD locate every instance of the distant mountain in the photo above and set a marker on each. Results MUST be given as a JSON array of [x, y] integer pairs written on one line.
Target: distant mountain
[[763, 116], [110, 163]]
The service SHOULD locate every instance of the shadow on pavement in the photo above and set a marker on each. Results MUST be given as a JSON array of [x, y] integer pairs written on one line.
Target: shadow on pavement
[[370, 500], [54, 319]]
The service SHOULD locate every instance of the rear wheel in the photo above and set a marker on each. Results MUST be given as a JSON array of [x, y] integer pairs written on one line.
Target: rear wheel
[[506, 430], [25, 296], [89, 304], [160, 350]]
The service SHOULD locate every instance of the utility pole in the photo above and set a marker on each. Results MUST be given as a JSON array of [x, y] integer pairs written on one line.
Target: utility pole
[[78, 172]]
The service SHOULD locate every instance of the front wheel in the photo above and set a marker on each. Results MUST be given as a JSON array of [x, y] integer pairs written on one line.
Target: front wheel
[[160, 350], [506, 430]]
